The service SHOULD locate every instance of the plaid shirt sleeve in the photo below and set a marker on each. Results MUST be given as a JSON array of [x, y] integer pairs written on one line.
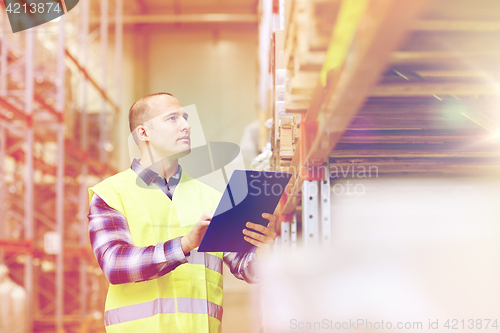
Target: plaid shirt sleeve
[[121, 261], [244, 266]]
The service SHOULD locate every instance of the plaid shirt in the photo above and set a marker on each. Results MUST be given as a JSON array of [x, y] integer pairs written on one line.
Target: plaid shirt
[[122, 262]]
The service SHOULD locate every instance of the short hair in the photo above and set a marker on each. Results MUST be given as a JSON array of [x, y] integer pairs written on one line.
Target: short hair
[[139, 112]]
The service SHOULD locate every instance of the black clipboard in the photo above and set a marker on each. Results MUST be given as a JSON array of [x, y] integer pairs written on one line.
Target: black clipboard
[[247, 195]]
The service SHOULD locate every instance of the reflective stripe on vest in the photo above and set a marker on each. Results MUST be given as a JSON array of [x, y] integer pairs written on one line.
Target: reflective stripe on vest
[[162, 305], [209, 260]]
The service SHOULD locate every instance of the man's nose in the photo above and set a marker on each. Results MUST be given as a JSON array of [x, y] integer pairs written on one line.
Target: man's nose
[[185, 125]]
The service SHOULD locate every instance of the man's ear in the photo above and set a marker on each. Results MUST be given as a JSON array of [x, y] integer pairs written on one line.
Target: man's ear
[[141, 133]]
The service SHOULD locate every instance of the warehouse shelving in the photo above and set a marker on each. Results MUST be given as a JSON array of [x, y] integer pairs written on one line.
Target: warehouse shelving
[[50, 166], [405, 86]]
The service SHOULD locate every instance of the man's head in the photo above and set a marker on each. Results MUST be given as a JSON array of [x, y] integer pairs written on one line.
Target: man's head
[[159, 126]]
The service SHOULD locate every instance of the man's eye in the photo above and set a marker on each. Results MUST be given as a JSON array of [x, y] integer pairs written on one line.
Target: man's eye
[[171, 118]]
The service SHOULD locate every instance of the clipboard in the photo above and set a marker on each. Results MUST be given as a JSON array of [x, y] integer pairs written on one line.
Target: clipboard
[[248, 194]]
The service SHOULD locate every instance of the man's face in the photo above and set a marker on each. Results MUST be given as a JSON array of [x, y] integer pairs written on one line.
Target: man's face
[[168, 129]]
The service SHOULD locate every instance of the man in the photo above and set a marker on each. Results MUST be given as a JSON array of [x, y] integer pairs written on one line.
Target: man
[[137, 226]]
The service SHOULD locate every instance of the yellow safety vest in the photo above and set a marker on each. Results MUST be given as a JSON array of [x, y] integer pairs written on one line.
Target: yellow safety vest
[[187, 299]]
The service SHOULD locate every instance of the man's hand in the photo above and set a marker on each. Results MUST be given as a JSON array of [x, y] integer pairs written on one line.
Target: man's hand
[[192, 240], [263, 242]]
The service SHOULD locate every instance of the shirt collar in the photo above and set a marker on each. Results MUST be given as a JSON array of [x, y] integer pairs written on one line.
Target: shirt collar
[[148, 175]]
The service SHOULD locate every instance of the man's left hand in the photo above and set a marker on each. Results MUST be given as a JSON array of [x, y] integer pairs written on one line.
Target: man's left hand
[[263, 241]]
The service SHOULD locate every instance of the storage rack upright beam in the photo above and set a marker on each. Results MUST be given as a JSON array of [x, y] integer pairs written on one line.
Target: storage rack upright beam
[[60, 175], [103, 115], [82, 207], [28, 169]]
